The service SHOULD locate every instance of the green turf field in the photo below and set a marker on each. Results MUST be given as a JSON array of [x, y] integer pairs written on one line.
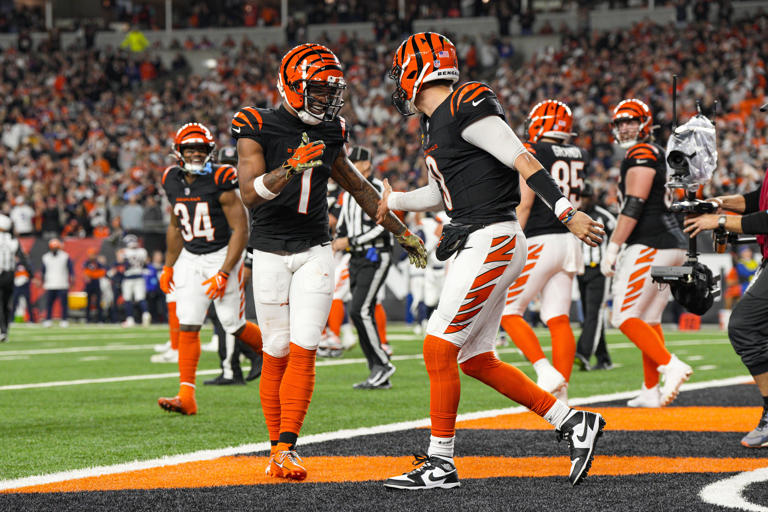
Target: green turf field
[[87, 396]]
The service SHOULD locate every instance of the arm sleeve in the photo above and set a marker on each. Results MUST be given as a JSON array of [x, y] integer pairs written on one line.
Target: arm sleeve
[[422, 199], [752, 201], [493, 134], [755, 223]]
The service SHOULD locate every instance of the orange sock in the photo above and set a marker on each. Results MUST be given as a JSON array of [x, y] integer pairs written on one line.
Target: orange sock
[[650, 372], [272, 370], [444, 384], [563, 345], [381, 322], [189, 355], [509, 381], [173, 325], [296, 389], [336, 316], [523, 336], [251, 335], [646, 339]]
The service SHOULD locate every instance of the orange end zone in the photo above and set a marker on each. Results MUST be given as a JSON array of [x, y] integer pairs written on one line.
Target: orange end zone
[[227, 471], [693, 419]]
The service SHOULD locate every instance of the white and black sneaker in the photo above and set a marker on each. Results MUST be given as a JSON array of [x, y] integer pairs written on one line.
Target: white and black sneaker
[[582, 429], [432, 473]]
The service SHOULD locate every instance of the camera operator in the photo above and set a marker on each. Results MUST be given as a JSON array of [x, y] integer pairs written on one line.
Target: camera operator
[[747, 329]]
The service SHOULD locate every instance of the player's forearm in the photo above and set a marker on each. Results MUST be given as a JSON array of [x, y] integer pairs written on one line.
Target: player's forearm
[[368, 199], [263, 187], [735, 203], [522, 215], [424, 199], [624, 228]]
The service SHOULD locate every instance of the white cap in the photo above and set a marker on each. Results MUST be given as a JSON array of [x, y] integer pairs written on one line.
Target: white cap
[[5, 223]]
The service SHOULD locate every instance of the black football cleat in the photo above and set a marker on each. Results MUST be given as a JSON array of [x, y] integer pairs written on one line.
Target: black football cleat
[[582, 429]]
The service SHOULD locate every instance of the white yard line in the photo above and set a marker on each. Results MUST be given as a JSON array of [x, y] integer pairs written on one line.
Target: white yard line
[[315, 438]]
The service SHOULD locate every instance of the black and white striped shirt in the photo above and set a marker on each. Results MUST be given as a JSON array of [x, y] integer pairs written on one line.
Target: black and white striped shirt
[[9, 246], [354, 223], [593, 255]]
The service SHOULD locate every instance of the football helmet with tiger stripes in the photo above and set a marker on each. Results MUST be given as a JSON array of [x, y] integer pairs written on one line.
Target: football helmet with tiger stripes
[[549, 118], [198, 136], [632, 109], [422, 58], [311, 82]]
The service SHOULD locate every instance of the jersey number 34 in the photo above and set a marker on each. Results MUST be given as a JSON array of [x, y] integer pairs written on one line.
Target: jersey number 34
[[197, 226]]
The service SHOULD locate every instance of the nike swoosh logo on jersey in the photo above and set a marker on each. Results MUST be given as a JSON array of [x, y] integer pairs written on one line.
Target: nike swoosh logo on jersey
[[476, 103], [236, 130]]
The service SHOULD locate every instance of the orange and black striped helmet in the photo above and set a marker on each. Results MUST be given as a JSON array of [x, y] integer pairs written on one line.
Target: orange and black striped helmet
[[421, 58], [632, 109], [549, 118], [311, 82], [196, 135]]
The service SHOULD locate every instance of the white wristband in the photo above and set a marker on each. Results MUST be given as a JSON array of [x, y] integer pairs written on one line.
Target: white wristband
[[262, 190], [562, 205]]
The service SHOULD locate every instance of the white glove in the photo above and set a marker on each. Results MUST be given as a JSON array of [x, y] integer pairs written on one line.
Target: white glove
[[608, 263]]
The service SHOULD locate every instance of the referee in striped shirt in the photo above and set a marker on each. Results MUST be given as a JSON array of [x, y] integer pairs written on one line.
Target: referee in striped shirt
[[9, 250], [370, 246]]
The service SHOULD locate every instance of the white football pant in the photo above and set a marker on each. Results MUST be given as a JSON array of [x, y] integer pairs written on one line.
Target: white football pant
[[192, 303], [293, 295], [469, 311], [550, 265], [635, 295]]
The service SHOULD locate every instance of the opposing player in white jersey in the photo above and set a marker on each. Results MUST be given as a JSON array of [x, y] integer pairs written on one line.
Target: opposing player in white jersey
[[554, 254], [205, 250], [475, 163], [134, 286]]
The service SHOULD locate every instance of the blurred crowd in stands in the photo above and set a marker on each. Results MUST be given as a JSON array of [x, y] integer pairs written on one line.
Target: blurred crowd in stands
[[87, 132]]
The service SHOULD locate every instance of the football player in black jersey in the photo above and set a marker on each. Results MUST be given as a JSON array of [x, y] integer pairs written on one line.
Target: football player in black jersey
[[554, 254], [653, 237], [286, 156], [474, 161], [205, 245]]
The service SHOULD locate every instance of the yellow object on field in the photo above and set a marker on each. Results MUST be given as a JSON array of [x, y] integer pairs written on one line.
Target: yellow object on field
[[77, 300]]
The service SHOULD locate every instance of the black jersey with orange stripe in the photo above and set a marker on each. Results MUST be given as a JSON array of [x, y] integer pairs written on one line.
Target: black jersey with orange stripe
[[298, 218], [204, 226], [476, 187], [657, 227], [568, 165]]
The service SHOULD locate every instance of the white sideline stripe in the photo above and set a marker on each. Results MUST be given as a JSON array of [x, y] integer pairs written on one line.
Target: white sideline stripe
[[728, 491], [318, 438], [332, 362]]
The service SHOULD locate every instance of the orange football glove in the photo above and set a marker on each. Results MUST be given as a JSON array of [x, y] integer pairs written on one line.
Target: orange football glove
[[166, 279], [216, 285], [307, 156]]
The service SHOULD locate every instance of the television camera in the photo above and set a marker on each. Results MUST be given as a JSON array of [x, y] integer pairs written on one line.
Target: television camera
[[691, 161]]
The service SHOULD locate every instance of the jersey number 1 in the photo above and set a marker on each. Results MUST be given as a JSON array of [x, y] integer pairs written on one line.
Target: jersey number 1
[[306, 184], [200, 227]]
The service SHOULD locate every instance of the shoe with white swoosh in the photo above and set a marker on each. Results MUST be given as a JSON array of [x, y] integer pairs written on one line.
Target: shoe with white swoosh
[[432, 473], [582, 429]]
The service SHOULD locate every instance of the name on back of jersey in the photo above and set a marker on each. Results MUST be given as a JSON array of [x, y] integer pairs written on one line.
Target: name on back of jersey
[[566, 151]]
